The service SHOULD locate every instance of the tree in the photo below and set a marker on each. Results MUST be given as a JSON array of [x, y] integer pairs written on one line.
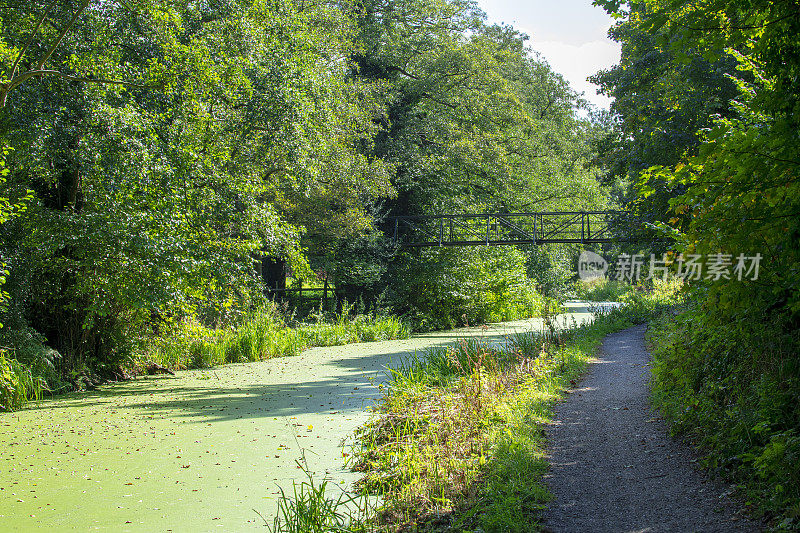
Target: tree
[[741, 184], [474, 123], [665, 93], [152, 196]]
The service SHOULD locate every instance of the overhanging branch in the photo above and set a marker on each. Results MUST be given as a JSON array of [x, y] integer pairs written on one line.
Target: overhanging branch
[[45, 72]]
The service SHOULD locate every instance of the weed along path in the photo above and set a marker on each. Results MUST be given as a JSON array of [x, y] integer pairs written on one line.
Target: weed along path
[[199, 451], [613, 465]]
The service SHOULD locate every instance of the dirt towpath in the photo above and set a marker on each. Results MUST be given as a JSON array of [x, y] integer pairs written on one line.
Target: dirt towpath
[[613, 465]]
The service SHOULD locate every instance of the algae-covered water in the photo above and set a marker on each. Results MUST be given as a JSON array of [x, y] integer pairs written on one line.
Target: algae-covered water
[[200, 451]]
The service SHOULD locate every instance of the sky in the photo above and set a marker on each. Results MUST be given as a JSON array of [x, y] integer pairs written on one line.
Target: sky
[[570, 34]]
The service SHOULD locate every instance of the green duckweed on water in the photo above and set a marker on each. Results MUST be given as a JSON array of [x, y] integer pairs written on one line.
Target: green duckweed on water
[[200, 451]]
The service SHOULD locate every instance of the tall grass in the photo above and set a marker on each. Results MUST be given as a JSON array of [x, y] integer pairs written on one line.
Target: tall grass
[[610, 290], [458, 443], [27, 369], [263, 334], [18, 384], [601, 290], [361, 328], [311, 509], [260, 336]]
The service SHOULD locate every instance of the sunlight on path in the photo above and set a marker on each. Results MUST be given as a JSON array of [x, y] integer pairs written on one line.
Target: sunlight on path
[[201, 450]]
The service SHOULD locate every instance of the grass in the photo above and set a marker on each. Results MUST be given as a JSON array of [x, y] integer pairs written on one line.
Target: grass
[[611, 290], [602, 290], [311, 509], [457, 441], [18, 384], [345, 328], [27, 369], [264, 335]]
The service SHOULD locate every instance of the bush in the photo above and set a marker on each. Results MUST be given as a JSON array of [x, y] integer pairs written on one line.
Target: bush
[[438, 288], [732, 384]]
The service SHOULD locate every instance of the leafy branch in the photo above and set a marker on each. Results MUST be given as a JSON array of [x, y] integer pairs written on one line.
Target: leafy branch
[[16, 79]]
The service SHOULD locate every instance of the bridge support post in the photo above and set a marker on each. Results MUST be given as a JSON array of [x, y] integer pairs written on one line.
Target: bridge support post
[[583, 226]]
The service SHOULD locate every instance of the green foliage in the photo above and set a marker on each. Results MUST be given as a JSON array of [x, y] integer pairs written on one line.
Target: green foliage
[[665, 92], [727, 365], [165, 146], [475, 122], [360, 328], [18, 384], [261, 335], [28, 368], [602, 290], [733, 387], [551, 267], [445, 288], [8, 210], [740, 186], [610, 290], [457, 443], [161, 147], [311, 509]]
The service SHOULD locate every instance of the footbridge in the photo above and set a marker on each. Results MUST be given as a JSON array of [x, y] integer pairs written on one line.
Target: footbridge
[[490, 229]]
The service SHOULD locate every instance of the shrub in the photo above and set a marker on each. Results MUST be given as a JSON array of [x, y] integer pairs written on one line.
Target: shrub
[[444, 288], [731, 384]]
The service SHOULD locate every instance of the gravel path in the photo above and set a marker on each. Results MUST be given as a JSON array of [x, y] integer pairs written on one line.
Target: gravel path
[[614, 467]]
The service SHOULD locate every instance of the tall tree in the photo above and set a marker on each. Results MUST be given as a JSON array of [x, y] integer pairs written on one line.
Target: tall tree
[[152, 195], [664, 94], [475, 122]]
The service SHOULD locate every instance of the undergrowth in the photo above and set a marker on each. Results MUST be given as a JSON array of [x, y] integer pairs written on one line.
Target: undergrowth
[[731, 385], [263, 334], [311, 508], [18, 384], [612, 290], [27, 369], [601, 290]]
